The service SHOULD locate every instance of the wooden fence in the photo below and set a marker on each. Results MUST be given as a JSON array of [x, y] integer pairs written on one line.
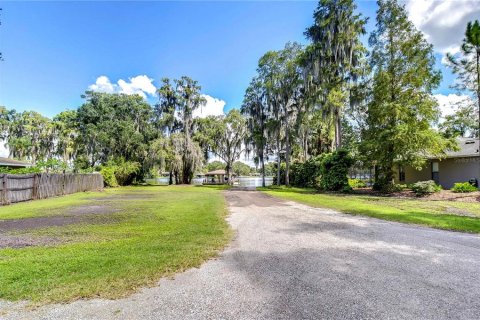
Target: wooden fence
[[23, 187]]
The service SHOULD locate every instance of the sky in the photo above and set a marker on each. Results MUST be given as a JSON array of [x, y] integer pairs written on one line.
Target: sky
[[54, 51]]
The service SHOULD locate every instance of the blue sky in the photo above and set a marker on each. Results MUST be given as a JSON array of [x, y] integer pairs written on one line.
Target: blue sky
[[53, 51]]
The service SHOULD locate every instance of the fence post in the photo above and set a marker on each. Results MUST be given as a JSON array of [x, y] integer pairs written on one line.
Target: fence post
[[2, 196], [63, 184], [34, 187], [5, 189]]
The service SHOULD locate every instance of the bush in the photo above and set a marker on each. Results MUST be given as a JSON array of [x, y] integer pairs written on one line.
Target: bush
[[425, 187], [27, 170], [462, 187], [334, 170], [125, 171], [306, 174], [108, 174], [399, 187], [357, 183], [119, 172]]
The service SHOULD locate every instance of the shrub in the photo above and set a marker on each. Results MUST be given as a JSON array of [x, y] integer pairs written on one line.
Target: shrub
[[357, 183], [399, 187], [306, 174], [125, 171], [108, 174], [119, 172], [425, 187], [334, 170], [27, 170], [462, 187]]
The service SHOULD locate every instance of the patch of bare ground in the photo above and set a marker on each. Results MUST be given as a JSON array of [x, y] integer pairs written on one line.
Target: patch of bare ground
[[15, 242], [443, 195], [121, 197], [87, 214], [448, 195]]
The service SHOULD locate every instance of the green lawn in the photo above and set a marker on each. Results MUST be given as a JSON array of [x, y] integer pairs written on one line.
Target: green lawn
[[154, 232], [449, 215]]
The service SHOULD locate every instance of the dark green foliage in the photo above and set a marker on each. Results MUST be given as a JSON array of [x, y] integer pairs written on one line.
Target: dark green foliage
[[114, 126], [401, 108], [307, 174], [215, 165], [334, 171], [242, 169], [425, 187], [466, 65], [274, 168], [463, 187], [119, 172]]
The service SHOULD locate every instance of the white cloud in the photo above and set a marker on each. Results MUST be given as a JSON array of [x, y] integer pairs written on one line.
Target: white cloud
[[448, 104], [213, 107], [141, 85], [443, 21]]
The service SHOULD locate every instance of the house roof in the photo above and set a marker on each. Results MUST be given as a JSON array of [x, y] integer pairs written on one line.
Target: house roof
[[7, 162], [216, 172], [468, 147]]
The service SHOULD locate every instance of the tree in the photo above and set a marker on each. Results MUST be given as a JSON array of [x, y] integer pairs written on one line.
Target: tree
[[282, 79], [165, 109], [255, 109], [29, 136], [331, 61], [467, 67], [462, 123], [114, 126], [402, 108], [174, 113], [5, 116], [66, 134], [228, 134], [241, 169], [215, 165]]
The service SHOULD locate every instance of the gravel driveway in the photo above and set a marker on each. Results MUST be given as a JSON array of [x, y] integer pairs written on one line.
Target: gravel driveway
[[291, 261]]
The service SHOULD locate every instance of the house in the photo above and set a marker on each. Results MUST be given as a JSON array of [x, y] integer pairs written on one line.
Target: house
[[457, 166], [13, 164]]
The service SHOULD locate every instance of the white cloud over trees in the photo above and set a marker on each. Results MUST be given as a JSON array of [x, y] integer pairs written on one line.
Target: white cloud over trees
[[443, 21]]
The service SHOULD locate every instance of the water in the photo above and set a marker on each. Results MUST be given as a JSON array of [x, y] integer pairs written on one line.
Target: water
[[253, 182], [162, 181], [197, 181]]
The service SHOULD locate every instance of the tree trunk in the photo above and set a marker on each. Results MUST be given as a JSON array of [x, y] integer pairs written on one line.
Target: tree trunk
[[170, 180], [287, 158], [228, 169], [262, 162], [278, 163], [338, 130], [478, 90]]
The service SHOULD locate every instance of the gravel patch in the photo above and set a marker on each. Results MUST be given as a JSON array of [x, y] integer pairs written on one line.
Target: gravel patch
[[9, 229], [80, 214], [291, 261], [15, 242]]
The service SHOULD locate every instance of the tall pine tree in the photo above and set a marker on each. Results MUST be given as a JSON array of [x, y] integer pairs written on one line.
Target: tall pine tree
[[402, 108]]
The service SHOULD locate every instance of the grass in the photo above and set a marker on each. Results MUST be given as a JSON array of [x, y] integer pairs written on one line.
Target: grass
[[447, 215], [156, 232]]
